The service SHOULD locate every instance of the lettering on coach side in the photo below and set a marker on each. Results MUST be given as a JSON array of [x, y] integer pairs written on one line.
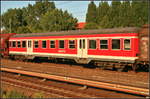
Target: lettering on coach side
[[62, 51]]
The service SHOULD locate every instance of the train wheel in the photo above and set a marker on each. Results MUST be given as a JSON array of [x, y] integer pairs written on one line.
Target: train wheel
[[114, 68], [12, 57], [124, 68], [120, 69], [103, 67], [56, 61], [134, 67], [147, 68]]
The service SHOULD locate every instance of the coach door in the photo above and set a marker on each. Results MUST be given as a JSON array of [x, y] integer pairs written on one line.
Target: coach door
[[29, 46], [82, 48]]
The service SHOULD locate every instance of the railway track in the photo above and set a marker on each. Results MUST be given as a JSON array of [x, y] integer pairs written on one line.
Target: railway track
[[125, 78], [42, 87], [53, 89], [121, 88]]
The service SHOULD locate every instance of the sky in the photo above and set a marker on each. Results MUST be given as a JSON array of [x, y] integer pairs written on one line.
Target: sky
[[77, 8]]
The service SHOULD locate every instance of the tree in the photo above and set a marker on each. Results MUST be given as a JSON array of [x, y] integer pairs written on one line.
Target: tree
[[135, 14], [34, 13], [43, 16], [105, 22], [125, 14], [139, 12], [102, 14], [91, 13], [12, 20], [145, 11], [23, 29], [91, 25], [115, 18], [69, 23], [57, 20], [118, 14]]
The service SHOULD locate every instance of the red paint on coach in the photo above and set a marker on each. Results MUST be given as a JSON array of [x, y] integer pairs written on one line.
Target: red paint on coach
[[66, 50], [120, 52], [124, 53]]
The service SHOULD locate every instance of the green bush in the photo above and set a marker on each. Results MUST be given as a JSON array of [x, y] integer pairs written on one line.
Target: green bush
[[38, 95], [12, 94], [91, 25]]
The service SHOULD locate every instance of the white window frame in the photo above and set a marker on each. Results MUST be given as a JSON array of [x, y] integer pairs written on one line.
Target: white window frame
[[42, 44], [25, 43], [53, 44], [34, 43], [124, 43], [59, 43], [72, 44], [15, 44], [89, 44], [115, 39], [100, 44]]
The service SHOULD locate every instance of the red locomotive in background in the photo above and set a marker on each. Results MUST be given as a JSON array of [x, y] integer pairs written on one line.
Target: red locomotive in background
[[108, 48]]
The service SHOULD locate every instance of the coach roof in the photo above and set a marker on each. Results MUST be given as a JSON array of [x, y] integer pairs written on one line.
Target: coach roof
[[82, 32]]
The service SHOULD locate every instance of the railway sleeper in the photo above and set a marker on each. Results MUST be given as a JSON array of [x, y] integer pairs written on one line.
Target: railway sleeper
[[83, 88], [44, 79], [82, 60], [19, 75]]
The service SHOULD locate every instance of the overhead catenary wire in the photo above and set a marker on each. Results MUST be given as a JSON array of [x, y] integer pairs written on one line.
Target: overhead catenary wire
[[63, 3], [76, 11]]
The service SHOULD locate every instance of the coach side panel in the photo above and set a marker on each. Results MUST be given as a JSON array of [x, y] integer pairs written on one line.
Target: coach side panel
[[127, 48]]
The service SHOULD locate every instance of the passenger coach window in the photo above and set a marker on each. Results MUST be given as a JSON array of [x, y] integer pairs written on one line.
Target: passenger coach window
[[14, 44], [116, 44], [103, 44], [43, 44], [92, 44], [127, 45], [23, 44], [52, 44], [61, 44], [19, 44], [80, 44], [29, 44], [36, 44], [83, 43], [72, 44]]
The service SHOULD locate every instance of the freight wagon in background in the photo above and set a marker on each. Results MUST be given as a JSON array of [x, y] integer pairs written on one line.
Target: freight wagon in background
[[144, 47], [117, 48], [4, 45]]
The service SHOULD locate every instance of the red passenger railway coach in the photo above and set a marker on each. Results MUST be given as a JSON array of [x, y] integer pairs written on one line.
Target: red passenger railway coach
[[114, 48]]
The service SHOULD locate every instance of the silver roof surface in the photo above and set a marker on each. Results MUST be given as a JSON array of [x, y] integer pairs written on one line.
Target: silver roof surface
[[82, 32]]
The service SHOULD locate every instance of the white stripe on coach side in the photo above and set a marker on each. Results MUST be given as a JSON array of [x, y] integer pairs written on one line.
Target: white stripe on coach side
[[75, 55], [46, 54], [112, 57]]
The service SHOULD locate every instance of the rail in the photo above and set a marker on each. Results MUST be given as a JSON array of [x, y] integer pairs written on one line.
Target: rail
[[116, 87]]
